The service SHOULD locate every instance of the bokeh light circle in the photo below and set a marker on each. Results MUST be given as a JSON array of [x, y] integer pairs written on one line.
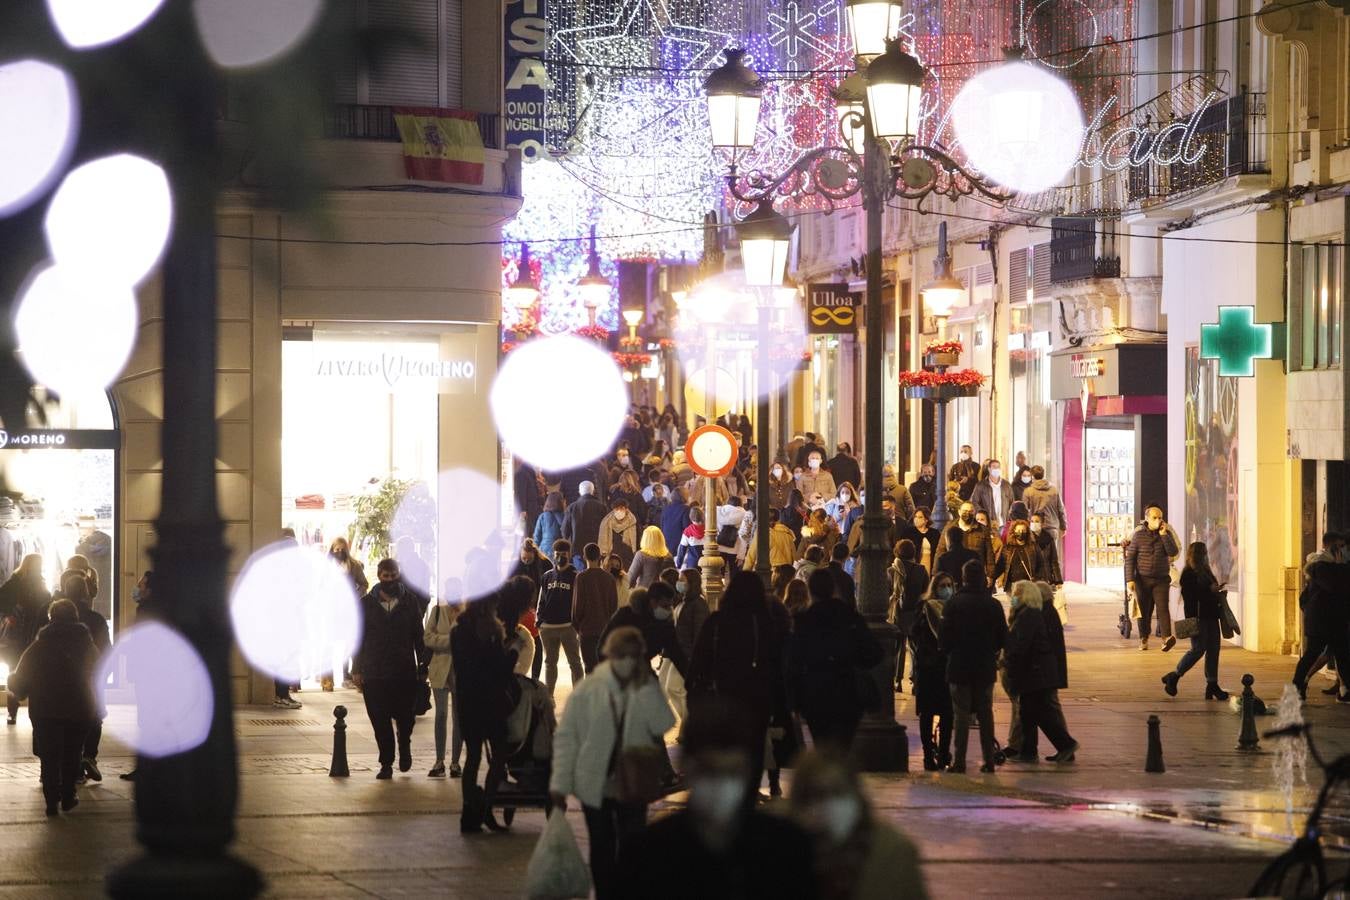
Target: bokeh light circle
[[562, 366], [1020, 125], [294, 610], [75, 332], [111, 217], [91, 23], [174, 701], [241, 33], [38, 124]]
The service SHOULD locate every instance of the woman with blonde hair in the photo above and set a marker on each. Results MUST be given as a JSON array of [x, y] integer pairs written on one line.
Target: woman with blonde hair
[[651, 558]]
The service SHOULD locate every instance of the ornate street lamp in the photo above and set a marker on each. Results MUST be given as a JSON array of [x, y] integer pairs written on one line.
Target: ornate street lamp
[[632, 318], [734, 95], [870, 24], [594, 287], [895, 94], [850, 106], [941, 294], [524, 289], [765, 238]]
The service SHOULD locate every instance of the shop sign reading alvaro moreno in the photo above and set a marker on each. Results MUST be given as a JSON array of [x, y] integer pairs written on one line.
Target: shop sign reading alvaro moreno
[[397, 370]]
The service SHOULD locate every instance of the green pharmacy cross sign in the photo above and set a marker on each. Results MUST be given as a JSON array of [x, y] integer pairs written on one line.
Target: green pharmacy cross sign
[[1237, 341]]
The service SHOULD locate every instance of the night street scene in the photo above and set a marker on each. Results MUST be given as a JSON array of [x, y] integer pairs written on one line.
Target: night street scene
[[674, 449]]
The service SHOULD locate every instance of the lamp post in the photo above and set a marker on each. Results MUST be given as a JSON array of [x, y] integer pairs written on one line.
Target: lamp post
[[940, 295], [893, 164], [594, 287], [524, 290], [766, 237]]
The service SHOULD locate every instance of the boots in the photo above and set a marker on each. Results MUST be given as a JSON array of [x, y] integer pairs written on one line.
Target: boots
[[1170, 684], [1214, 692], [475, 809], [52, 794]]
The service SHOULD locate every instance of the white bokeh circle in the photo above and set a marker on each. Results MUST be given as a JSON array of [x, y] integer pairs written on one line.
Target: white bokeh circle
[[242, 33], [111, 217], [39, 119], [294, 611], [91, 23], [1020, 125], [173, 697], [75, 332], [469, 531], [562, 366]]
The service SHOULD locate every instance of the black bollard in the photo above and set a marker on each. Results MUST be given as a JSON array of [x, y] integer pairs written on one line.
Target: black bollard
[[1248, 742], [339, 767], [1154, 763]]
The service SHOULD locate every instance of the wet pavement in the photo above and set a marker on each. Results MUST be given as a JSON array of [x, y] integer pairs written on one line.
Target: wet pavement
[[1099, 828]]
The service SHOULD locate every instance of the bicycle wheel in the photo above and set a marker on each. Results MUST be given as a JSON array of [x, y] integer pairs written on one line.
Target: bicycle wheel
[[1297, 874]]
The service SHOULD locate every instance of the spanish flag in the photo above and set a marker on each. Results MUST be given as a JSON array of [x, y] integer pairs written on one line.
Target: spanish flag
[[440, 144]]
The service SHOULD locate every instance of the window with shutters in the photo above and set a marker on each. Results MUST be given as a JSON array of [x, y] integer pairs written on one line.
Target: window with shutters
[[1040, 271], [1017, 276], [422, 67]]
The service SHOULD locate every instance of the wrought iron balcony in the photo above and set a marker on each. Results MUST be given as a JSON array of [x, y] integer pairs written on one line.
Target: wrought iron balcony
[[1230, 137], [1079, 249]]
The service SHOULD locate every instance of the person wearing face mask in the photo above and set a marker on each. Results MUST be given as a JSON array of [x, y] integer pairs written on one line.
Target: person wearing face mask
[[340, 553], [925, 536], [965, 472], [841, 505], [1324, 612], [651, 611], [629, 489], [858, 856], [924, 489], [780, 485], [597, 599], [896, 490], [1021, 480], [557, 606], [1020, 559], [614, 566], [973, 632], [932, 695], [720, 846], [993, 495], [532, 564], [811, 445], [1042, 497], [690, 550], [995, 542], [620, 707], [1148, 561], [966, 538], [1045, 543], [618, 532], [817, 480], [388, 665]]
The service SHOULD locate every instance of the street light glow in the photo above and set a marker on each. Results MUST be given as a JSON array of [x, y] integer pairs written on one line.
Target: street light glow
[[870, 24], [895, 94], [75, 332], [734, 96], [174, 701], [38, 122], [92, 23], [242, 33]]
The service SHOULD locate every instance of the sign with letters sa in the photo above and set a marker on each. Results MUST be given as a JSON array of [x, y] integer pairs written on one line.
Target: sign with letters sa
[[831, 309]]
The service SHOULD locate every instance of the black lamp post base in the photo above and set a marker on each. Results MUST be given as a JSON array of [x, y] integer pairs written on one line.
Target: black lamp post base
[[154, 876], [880, 746]]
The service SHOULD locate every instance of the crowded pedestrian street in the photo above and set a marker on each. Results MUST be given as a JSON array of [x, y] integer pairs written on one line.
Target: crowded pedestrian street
[[1101, 828]]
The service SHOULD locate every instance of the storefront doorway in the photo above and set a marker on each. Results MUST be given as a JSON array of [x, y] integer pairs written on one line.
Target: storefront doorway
[[1108, 506]]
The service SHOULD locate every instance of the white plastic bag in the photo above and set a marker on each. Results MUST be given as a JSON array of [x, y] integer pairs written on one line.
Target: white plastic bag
[[557, 870]]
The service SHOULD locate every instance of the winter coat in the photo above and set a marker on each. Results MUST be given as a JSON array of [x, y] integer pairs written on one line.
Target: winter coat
[[534, 570], [1200, 596], [391, 642], [909, 582], [1019, 562], [780, 489], [436, 636], [581, 522], [26, 599], [965, 472], [1045, 544], [782, 548], [973, 632], [1054, 630], [56, 674], [596, 597], [826, 539], [659, 636], [588, 735], [645, 569], [1030, 659], [818, 482], [739, 656], [829, 646], [1150, 553], [637, 506], [674, 519], [904, 500], [977, 539], [690, 550], [618, 537], [1043, 497], [689, 618], [924, 493], [844, 468], [547, 529], [484, 675], [735, 517], [556, 594], [983, 497]]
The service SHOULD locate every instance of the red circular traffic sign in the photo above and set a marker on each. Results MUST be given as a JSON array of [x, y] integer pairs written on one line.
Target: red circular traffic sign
[[711, 451]]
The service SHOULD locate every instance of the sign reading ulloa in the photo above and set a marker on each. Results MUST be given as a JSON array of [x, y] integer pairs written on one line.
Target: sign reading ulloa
[[831, 309]]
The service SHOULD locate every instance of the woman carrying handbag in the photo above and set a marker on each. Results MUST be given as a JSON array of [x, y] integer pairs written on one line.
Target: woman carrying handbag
[[1204, 601]]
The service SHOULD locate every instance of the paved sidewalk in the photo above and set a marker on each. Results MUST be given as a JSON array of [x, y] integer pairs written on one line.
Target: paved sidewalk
[[1099, 828]]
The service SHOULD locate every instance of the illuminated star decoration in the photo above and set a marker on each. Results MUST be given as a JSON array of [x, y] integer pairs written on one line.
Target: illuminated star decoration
[[798, 37]]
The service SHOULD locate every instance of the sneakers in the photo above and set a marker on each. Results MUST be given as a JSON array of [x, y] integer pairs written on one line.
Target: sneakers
[[286, 703], [1169, 643], [385, 773], [455, 770], [91, 770], [437, 771]]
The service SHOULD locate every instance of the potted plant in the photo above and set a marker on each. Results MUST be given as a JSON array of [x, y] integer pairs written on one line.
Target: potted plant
[[942, 354], [375, 512], [949, 385]]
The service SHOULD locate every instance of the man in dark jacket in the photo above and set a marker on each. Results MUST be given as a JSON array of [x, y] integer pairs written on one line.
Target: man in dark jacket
[[965, 471], [525, 485], [56, 675], [844, 587], [391, 661], [1033, 674], [844, 467], [595, 599], [969, 533], [993, 495], [674, 518], [1325, 612], [581, 521], [923, 491], [557, 605], [1148, 561], [973, 632]]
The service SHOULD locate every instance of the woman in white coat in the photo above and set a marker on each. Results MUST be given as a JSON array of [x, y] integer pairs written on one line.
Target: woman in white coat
[[619, 705], [441, 675]]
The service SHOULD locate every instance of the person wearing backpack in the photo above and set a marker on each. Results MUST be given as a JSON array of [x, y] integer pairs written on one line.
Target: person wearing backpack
[[548, 527]]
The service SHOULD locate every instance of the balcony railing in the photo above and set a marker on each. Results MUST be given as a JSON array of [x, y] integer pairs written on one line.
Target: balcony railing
[[1078, 249], [1232, 135], [355, 121]]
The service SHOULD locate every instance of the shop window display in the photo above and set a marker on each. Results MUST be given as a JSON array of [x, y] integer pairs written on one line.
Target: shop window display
[[1109, 503]]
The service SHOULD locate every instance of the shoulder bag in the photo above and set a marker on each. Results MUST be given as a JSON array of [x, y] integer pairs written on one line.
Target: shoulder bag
[[637, 770]]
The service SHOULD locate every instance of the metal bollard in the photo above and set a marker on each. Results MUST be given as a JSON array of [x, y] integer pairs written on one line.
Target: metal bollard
[[1154, 763], [1248, 742], [339, 767]]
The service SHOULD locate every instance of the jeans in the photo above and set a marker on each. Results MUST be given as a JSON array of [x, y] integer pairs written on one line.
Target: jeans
[[443, 699], [554, 637], [1204, 643], [1332, 641], [609, 827], [590, 651], [976, 700], [389, 701], [1153, 595], [1038, 712], [537, 665], [1014, 741], [59, 747]]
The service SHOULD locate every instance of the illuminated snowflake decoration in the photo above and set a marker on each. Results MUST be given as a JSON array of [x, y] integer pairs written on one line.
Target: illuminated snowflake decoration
[[801, 39]]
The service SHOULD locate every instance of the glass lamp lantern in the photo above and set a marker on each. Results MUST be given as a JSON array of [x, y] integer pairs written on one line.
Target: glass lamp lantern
[[895, 94], [870, 24], [765, 238], [524, 290], [734, 94]]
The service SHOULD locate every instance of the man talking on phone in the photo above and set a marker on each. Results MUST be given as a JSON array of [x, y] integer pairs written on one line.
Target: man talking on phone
[[1148, 561]]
